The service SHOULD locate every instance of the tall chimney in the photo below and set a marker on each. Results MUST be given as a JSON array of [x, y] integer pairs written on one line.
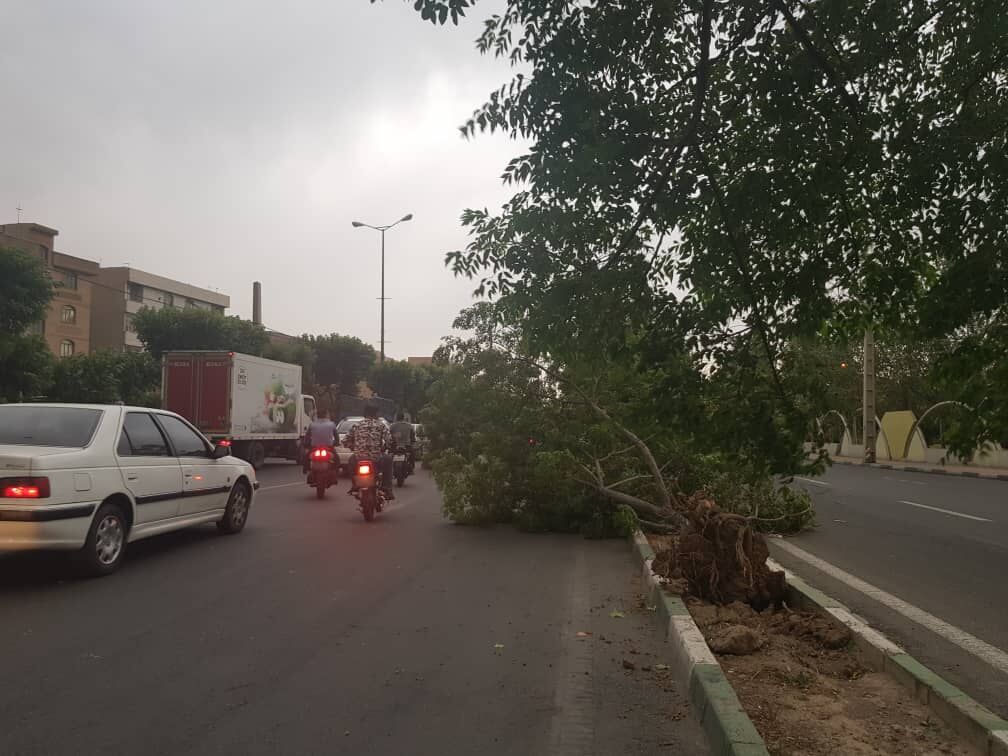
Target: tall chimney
[[257, 302]]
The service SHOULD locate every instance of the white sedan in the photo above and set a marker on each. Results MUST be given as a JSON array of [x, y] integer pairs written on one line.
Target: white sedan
[[93, 478]]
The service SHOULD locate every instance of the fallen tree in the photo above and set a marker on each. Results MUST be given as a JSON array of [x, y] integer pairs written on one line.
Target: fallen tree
[[523, 439]]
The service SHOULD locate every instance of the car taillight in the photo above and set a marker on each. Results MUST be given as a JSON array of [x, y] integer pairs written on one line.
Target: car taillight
[[224, 442], [364, 468], [24, 488], [320, 454]]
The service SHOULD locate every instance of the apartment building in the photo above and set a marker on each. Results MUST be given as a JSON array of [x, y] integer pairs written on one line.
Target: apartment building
[[67, 325], [122, 291]]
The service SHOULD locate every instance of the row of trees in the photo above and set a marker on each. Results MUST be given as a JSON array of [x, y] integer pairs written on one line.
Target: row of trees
[[333, 365]]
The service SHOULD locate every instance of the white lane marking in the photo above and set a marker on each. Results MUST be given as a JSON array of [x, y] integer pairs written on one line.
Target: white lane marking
[[813, 482], [904, 480], [945, 511], [984, 651], [282, 485]]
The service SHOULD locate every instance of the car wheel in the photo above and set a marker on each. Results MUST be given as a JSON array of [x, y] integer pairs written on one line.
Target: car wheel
[[237, 510], [106, 541]]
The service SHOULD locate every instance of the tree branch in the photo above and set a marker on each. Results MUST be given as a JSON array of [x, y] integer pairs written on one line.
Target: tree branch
[[688, 135], [736, 251], [836, 81]]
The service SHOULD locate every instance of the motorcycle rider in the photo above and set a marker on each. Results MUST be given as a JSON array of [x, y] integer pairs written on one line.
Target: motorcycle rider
[[403, 436], [321, 432], [371, 439]]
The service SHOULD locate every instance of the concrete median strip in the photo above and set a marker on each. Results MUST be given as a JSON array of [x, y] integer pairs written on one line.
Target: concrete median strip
[[729, 729], [981, 727]]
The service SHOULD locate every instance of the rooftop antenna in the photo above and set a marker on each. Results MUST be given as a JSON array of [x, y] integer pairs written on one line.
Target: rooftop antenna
[[19, 209]]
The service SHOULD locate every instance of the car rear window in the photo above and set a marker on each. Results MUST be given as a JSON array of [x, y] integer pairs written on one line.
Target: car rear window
[[70, 427], [345, 426]]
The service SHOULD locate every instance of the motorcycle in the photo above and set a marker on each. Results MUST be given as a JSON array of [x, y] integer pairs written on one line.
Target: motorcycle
[[323, 471], [368, 490], [402, 465]]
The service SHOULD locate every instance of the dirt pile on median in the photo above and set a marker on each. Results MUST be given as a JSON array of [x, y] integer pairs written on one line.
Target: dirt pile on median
[[808, 691], [805, 686]]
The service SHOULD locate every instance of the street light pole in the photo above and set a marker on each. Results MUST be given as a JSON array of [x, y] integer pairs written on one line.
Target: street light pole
[[382, 230], [381, 357]]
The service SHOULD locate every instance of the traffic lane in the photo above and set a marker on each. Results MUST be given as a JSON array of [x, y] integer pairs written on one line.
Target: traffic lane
[[977, 497], [311, 624], [944, 565], [890, 501]]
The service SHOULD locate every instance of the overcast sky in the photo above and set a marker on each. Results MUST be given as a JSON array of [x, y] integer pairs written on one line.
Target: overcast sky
[[230, 141]]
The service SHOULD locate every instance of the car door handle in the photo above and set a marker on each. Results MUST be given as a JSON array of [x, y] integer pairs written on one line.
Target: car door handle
[[132, 477], [188, 475]]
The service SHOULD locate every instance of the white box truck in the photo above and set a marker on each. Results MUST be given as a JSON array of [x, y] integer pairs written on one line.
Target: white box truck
[[254, 403]]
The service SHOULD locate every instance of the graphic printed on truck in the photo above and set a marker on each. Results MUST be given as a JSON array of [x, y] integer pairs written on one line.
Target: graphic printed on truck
[[278, 409]]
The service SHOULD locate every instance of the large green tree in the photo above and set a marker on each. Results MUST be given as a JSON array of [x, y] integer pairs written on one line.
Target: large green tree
[[166, 329], [105, 377], [341, 362], [405, 384], [25, 293], [744, 173]]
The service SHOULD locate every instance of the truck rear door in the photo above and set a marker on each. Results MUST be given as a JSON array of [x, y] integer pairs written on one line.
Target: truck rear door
[[181, 384], [215, 395]]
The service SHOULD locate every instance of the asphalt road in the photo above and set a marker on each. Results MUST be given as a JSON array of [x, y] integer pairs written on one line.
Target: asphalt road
[[314, 632], [939, 543]]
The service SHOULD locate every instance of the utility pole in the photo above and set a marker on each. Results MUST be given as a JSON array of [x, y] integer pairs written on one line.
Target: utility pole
[[868, 399]]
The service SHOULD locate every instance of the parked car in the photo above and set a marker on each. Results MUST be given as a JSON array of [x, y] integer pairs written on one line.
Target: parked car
[[94, 478]]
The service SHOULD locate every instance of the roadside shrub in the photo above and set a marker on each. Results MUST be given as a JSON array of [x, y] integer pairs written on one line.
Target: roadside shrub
[[474, 493]]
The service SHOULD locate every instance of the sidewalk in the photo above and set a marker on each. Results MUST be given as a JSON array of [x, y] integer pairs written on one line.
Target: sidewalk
[[966, 471]]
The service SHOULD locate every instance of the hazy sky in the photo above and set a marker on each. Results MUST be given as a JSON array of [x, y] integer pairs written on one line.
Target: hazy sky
[[230, 141]]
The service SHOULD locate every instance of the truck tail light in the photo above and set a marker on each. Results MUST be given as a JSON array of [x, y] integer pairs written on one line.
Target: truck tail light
[[24, 488]]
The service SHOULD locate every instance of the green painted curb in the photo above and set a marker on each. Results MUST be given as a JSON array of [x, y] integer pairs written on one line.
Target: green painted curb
[[802, 595], [724, 720], [729, 730]]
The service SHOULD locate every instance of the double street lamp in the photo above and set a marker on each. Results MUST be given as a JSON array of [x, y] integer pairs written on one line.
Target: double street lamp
[[383, 229]]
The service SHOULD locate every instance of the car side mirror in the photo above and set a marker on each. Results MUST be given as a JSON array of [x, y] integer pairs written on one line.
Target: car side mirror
[[221, 450]]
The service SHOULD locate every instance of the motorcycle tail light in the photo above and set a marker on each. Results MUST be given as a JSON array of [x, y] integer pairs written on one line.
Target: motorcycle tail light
[[320, 454], [364, 468]]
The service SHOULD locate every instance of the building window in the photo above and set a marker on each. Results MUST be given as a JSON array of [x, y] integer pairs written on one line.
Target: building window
[[129, 325], [167, 299], [190, 304], [69, 314], [69, 280], [136, 292], [43, 251], [66, 348]]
